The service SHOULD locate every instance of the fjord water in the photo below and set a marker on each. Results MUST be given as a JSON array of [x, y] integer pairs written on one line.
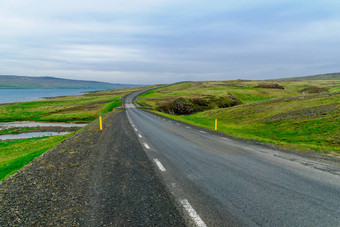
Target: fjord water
[[24, 95]]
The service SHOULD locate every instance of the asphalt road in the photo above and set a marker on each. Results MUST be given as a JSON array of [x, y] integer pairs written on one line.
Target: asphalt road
[[222, 181], [95, 178]]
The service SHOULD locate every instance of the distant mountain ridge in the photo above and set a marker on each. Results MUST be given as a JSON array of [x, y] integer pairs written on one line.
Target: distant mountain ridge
[[327, 76], [27, 82]]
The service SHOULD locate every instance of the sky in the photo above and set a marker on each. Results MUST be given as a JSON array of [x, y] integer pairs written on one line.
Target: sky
[[165, 41]]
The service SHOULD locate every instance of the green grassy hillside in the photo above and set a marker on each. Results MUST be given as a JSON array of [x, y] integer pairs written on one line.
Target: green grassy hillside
[[246, 91], [52, 82], [328, 76], [284, 117]]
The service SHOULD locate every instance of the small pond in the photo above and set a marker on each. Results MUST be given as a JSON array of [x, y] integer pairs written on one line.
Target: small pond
[[22, 124], [30, 135]]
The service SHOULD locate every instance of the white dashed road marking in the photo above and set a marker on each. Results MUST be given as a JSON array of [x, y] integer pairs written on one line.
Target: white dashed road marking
[[191, 211], [146, 146], [159, 164], [199, 222], [130, 106]]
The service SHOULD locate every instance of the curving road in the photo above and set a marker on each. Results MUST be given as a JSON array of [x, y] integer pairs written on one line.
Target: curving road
[[225, 182]]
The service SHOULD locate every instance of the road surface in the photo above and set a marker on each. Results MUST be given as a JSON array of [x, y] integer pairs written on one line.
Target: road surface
[[221, 181], [95, 178]]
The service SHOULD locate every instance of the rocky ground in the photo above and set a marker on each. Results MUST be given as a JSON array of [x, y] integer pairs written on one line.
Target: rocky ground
[[95, 178]]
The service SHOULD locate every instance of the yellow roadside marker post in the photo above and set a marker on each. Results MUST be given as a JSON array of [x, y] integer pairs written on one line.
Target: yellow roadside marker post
[[215, 124], [100, 124]]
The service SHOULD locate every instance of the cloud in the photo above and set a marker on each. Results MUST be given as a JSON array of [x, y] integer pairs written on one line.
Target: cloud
[[162, 40]]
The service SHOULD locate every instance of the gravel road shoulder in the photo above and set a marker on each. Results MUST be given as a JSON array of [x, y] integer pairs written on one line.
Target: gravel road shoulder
[[92, 179]]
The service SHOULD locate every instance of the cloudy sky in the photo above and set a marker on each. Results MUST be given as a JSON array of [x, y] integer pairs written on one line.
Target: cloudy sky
[[163, 41]]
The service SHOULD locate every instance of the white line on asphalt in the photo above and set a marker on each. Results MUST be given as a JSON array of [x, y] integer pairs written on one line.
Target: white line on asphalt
[[159, 164], [146, 146], [136, 130], [177, 124], [199, 222], [187, 126], [202, 132], [140, 136], [225, 138], [169, 121]]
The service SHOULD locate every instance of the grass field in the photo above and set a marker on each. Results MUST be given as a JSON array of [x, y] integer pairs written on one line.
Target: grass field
[[16, 154], [246, 91], [283, 117], [85, 107]]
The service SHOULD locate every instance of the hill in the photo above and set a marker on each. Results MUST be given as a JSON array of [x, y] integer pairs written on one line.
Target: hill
[[26, 82], [328, 76], [301, 114]]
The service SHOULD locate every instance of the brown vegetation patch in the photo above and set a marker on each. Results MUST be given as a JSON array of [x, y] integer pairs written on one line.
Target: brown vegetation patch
[[313, 90], [182, 106], [200, 102], [270, 85], [179, 106], [228, 101]]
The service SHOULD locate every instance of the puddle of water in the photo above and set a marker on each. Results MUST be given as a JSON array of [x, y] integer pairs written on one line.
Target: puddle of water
[[21, 124], [31, 135]]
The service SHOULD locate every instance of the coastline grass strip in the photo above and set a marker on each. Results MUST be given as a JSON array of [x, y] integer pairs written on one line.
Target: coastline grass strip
[[85, 107]]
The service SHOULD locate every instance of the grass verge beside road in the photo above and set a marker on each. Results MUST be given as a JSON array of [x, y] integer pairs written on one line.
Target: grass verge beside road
[[16, 154]]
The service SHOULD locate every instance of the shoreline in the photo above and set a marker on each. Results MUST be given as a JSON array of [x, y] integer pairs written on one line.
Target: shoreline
[[40, 98]]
